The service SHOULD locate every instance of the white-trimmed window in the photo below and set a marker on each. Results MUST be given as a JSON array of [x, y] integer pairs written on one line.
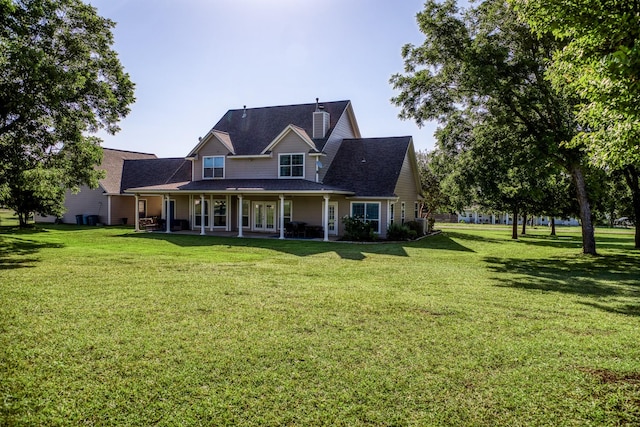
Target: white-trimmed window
[[402, 212], [291, 165], [213, 167], [391, 212], [368, 212], [416, 210]]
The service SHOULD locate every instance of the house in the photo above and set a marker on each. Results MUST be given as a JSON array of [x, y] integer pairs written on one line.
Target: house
[[108, 202], [476, 215], [263, 169]]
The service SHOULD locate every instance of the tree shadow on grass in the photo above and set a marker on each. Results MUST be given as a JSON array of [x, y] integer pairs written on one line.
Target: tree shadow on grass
[[444, 241], [472, 238], [616, 276], [18, 252], [300, 248], [575, 241]]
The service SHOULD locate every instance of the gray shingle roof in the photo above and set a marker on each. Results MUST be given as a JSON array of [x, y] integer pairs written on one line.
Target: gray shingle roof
[[150, 172], [369, 166], [112, 163], [260, 126]]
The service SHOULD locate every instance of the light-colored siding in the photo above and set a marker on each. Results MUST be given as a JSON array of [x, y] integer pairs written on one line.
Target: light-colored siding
[[406, 190], [213, 147], [87, 202], [154, 205], [307, 209], [261, 168], [182, 207], [251, 168], [122, 207]]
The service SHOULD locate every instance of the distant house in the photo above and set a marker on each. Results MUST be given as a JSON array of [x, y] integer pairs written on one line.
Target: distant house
[[476, 215], [263, 169]]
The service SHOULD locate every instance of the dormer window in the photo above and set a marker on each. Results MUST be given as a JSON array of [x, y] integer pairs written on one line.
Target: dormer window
[[213, 167], [291, 166]]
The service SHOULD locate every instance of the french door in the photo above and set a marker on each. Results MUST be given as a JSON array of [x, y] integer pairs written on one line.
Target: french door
[[197, 213], [264, 216]]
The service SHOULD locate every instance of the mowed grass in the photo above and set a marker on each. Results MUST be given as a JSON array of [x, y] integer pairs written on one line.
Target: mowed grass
[[103, 326]]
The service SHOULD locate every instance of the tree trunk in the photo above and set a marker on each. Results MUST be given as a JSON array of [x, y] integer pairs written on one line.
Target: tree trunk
[[631, 176], [524, 224], [588, 234], [553, 226], [514, 227], [23, 218]]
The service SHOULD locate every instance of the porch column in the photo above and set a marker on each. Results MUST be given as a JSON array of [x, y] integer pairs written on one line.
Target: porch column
[[109, 210], [202, 233], [506, 216], [325, 218], [281, 221], [227, 212], [493, 219], [167, 215], [136, 214], [211, 211], [239, 215]]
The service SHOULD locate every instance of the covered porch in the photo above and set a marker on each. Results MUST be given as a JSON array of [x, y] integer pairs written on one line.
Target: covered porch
[[247, 211]]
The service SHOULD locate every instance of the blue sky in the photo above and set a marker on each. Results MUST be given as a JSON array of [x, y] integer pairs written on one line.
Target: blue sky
[[192, 60]]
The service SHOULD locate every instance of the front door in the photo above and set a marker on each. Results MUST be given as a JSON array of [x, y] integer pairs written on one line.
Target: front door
[[264, 216], [333, 215]]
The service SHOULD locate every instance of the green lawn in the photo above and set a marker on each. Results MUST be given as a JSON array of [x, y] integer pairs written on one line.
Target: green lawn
[[103, 326]]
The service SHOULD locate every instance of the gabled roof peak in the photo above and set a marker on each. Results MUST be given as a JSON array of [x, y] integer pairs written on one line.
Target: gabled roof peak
[[252, 130]]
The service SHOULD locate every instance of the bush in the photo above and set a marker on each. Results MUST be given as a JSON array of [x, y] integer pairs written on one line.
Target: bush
[[357, 229], [430, 223], [416, 227], [398, 231]]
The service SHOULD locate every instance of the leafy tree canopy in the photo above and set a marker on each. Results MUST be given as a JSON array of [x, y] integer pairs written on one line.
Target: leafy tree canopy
[[60, 81], [600, 63], [481, 73]]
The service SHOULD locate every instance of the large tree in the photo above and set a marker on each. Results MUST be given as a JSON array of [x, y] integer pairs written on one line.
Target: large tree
[[487, 61], [61, 81], [600, 63]]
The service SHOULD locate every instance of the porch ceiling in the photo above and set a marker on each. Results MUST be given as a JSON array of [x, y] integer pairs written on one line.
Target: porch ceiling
[[244, 186]]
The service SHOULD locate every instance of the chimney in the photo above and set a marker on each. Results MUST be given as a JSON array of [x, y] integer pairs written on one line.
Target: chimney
[[320, 121]]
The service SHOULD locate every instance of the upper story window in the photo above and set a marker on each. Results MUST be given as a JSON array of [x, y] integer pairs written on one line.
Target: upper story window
[[213, 167], [291, 166]]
